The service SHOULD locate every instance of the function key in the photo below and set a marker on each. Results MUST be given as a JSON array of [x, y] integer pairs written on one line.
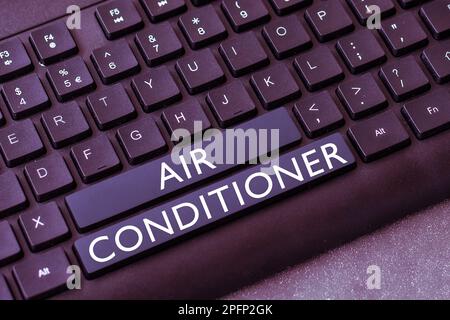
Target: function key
[[5, 292], [403, 34], [200, 71], [286, 37], [53, 42], [437, 60], [429, 115], [318, 114], [404, 78], [118, 18], [14, 59], [65, 124], [10, 249], [70, 78], [115, 61], [328, 19], [42, 275], [20, 142], [95, 158], [141, 140], [44, 226], [25, 96], [361, 96], [379, 136], [231, 103], [361, 9], [159, 44], [361, 51], [49, 177], [243, 54], [202, 26], [111, 106], [158, 10], [436, 15], [245, 14], [185, 116], [318, 68], [12, 197], [275, 86], [156, 88], [283, 7]]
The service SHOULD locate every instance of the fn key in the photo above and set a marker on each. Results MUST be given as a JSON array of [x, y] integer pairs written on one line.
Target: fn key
[[379, 136]]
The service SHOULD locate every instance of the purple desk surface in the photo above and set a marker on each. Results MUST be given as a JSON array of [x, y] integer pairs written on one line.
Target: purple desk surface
[[413, 255]]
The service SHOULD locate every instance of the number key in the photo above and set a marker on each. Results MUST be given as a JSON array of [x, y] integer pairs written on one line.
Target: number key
[[115, 61], [202, 26], [245, 14], [25, 96], [70, 78], [159, 44]]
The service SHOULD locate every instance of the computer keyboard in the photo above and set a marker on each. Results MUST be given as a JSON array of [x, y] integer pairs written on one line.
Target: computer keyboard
[[88, 117]]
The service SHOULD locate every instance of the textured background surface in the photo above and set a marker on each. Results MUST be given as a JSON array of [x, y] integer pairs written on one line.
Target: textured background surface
[[413, 254]]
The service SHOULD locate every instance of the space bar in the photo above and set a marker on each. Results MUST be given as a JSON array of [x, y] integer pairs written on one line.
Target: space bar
[[142, 234], [143, 185]]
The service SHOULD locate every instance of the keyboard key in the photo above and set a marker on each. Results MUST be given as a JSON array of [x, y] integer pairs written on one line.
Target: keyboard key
[[65, 124], [53, 42], [429, 115], [141, 140], [437, 17], [95, 159], [318, 114], [231, 103], [330, 156], [404, 78], [318, 68], [49, 177], [200, 71], [70, 78], [361, 9], [361, 51], [155, 89], [42, 275], [44, 226], [20, 142], [188, 116], [409, 3], [328, 20], [286, 37], [245, 14], [118, 18], [5, 292], [202, 26], [275, 86], [243, 54], [14, 59], [115, 61], [379, 136], [161, 10], [159, 44], [111, 107], [25, 96], [12, 197], [10, 249], [437, 60], [283, 7], [403, 34], [133, 189], [361, 96]]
